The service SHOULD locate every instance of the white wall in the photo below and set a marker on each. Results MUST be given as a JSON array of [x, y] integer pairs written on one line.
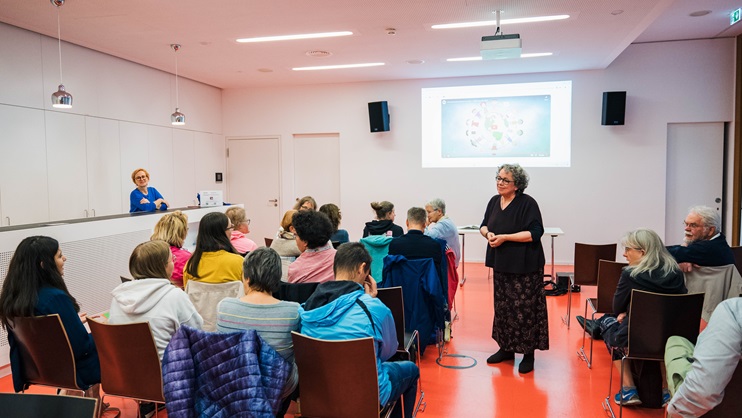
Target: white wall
[[120, 120], [617, 179]]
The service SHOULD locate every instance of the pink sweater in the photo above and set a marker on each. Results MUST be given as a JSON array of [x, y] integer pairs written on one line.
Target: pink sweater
[[241, 243], [313, 266], [180, 256]]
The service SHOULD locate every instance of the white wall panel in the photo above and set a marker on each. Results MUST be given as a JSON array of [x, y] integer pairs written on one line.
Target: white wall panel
[[160, 151], [184, 169], [20, 73], [105, 196], [66, 164]]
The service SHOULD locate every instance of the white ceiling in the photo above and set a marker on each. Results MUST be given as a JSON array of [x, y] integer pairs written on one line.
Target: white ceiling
[[142, 31]]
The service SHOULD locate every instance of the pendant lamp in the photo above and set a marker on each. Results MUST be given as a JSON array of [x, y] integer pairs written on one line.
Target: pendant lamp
[[177, 118], [61, 98]]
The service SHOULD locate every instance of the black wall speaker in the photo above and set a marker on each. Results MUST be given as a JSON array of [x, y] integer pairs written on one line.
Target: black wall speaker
[[378, 116], [614, 107]]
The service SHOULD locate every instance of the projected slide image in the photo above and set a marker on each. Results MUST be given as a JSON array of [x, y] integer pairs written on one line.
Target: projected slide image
[[517, 126]]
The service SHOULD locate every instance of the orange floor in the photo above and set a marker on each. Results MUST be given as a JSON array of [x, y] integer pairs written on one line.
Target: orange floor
[[560, 386]]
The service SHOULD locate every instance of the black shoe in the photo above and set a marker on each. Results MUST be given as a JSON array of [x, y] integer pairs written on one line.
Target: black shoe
[[147, 409], [501, 356], [581, 321], [526, 365]]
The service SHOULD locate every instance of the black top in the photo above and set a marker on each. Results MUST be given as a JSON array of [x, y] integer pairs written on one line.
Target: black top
[[415, 245], [713, 252], [522, 214], [650, 281], [380, 228]]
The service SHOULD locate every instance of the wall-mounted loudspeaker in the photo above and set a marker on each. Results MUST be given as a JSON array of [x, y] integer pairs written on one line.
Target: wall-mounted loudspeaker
[[378, 116], [614, 107]]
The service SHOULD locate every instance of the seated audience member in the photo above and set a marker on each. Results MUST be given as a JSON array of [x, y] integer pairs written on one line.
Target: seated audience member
[[273, 319], [306, 203], [716, 357], [173, 229], [143, 198], [214, 260], [414, 244], [285, 243], [442, 227], [347, 308], [241, 224], [33, 286], [313, 230], [384, 222], [704, 244], [339, 236], [651, 268], [150, 297]]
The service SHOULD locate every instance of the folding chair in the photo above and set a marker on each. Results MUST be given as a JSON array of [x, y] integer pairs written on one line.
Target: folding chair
[[37, 405], [587, 257], [338, 379], [130, 364], [653, 318], [608, 274]]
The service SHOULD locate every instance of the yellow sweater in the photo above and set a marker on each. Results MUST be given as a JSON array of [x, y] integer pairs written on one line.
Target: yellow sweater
[[217, 267]]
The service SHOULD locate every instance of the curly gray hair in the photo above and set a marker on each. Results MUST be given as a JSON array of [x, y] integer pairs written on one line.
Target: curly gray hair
[[438, 204], [520, 177], [709, 216]]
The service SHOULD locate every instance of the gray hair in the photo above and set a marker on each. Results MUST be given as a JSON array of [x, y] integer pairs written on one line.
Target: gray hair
[[520, 177], [709, 216], [262, 267], [438, 204], [417, 216], [656, 255]]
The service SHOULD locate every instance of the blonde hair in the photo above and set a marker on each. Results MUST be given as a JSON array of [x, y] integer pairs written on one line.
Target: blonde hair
[[288, 219], [134, 174], [655, 256], [237, 215], [171, 228], [149, 260]]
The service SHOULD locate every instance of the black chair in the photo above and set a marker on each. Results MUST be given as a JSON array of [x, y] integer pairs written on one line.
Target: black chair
[[587, 257], [653, 318], [737, 251], [57, 406], [608, 274]]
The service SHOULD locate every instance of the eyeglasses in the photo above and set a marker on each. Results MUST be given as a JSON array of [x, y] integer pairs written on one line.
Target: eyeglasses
[[246, 222], [140, 178], [631, 248], [692, 225], [230, 227], [503, 180]]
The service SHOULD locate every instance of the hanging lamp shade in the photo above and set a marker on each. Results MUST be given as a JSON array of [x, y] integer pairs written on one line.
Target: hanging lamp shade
[[61, 98], [177, 118]]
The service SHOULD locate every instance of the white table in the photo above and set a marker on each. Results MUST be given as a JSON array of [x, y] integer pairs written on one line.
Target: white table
[[553, 232], [463, 231]]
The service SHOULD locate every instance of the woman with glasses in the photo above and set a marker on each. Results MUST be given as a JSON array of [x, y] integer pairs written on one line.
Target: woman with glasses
[[240, 242], [653, 269], [513, 228], [143, 198], [214, 260]]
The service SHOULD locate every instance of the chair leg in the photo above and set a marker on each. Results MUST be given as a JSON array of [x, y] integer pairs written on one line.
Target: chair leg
[[581, 352], [566, 318], [607, 401]]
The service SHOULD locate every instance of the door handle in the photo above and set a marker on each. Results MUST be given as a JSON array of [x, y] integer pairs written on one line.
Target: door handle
[[274, 201]]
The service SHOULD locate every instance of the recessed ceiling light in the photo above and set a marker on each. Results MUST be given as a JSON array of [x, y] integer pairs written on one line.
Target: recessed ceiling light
[[502, 22], [293, 37], [700, 13], [479, 58], [335, 67], [415, 61], [616, 12]]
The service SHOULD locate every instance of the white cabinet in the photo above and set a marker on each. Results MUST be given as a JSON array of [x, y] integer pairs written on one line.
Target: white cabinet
[[105, 196], [23, 175], [66, 166]]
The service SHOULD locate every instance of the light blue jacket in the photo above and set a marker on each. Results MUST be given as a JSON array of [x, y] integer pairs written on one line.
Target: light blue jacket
[[343, 319]]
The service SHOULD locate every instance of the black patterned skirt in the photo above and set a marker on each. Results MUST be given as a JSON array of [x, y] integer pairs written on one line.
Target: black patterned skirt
[[521, 323]]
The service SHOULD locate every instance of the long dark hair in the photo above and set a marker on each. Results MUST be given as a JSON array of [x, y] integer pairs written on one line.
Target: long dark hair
[[31, 268], [212, 236]]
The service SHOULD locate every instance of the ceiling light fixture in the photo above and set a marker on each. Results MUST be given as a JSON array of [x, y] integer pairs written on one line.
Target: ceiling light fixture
[[61, 98], [177, 118], [336, 67], [294, 37], [502, 22], [531, 55]]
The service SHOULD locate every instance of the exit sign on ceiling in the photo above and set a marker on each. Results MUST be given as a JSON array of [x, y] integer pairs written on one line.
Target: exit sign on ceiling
[[735, 16]]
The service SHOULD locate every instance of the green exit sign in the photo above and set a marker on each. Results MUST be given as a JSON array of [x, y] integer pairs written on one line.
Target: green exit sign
[[735, 16]]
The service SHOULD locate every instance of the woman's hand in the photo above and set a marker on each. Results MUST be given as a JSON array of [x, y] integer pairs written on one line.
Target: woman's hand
[[496, 240], [158, 203], [143, 201]]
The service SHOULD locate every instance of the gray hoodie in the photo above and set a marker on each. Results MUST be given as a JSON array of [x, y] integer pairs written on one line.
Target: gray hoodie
[[156, 301]]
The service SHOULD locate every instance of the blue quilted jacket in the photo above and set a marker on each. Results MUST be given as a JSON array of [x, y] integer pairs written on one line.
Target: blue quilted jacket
[[209, 374]]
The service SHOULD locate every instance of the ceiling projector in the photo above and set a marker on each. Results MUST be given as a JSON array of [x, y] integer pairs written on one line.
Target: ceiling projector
[[500, 47]]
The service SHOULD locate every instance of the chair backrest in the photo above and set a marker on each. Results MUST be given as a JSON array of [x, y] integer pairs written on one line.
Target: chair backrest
[[130, 364], [731, 405], [268, 242], [655, 317], [608, 274], [46, 354], [338, 378], [125, 279], [586, 261], [295, 292], [737, 251], [46, 405], [394, 300], [206, 297], [717, 283]]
